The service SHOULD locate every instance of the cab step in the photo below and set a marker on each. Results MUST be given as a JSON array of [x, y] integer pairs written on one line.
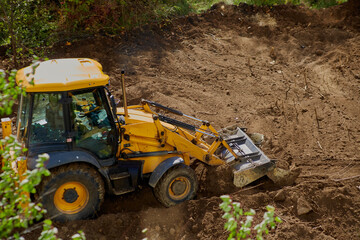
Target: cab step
[[124, 176], [120, 175]]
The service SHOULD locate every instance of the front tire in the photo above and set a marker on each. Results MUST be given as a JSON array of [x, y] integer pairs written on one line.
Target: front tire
[[72, 192], [177, 185]]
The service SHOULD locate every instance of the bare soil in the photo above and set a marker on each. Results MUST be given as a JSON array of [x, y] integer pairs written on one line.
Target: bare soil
[[288, 72]]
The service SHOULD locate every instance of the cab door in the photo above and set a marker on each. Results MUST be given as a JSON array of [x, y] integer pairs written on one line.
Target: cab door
[[93, 126]]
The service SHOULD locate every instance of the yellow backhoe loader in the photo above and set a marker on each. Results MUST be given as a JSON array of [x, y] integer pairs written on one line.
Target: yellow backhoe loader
[[95, 147]]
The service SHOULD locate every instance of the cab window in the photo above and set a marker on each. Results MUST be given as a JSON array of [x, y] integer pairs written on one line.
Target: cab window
[[47, 125]]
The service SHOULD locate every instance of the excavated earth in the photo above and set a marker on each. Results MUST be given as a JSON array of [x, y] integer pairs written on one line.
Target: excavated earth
[[288, 72]]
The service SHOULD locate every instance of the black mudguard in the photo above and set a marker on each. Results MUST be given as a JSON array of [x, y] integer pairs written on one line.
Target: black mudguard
[[162, 168], [60, 158]]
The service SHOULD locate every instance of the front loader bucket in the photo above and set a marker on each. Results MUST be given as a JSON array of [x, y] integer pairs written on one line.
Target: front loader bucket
[[251, 163], [247, 174]]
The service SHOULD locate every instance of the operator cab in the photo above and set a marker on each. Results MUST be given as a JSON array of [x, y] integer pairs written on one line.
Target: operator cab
[[67, 112]]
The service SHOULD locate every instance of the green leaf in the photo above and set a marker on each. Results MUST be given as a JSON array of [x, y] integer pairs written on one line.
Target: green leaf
[[226, 215], [270, 208], [225, 198]]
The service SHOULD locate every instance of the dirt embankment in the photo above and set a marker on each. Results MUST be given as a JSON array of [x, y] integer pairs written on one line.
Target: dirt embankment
[[288, 72]]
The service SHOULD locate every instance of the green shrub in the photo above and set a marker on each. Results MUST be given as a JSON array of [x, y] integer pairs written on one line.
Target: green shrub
[[240, 229], [26, 27]]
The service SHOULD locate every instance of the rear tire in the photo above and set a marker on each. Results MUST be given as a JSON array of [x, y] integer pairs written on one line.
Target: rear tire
[[72, 192], [177, 185]]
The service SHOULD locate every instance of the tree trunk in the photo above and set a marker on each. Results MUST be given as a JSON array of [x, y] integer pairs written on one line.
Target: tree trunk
[[12, 34]]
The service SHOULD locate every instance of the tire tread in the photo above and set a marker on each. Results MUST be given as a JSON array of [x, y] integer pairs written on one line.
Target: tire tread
[[79, 169], [159, 193]]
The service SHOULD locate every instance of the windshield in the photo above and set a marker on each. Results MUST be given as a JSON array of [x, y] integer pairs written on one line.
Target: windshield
[[23, 117]]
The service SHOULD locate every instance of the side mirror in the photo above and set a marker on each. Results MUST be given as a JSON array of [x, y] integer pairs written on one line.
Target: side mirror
[[113, 104]]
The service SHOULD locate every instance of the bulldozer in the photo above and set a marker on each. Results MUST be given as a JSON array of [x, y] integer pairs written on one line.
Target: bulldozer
[[95, 147]]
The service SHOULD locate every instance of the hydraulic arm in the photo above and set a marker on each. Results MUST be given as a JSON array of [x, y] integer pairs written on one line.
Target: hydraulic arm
[[170, 137]]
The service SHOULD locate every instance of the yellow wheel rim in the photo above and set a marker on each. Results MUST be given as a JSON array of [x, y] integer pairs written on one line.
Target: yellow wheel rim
[[179, 188], [71, 197]]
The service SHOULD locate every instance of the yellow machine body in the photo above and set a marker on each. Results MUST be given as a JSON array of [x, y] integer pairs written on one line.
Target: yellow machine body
[[148, 134], [6, 131]]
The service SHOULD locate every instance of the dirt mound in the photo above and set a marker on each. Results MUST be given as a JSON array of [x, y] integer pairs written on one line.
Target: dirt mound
[[288, 72]]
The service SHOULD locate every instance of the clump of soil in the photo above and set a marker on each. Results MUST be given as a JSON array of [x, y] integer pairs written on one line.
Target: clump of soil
[[283, 177], [215, 180], [288, 72]]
